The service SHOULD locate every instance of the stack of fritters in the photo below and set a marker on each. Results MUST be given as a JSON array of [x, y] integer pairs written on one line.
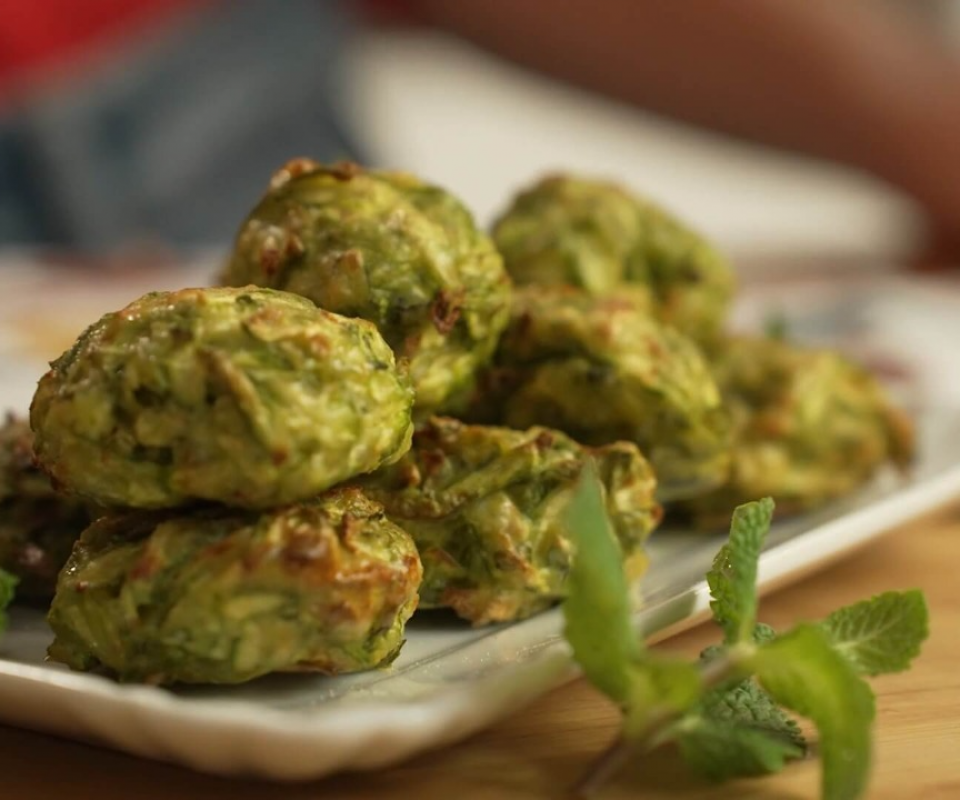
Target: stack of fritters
[[229, 414], [483, 504], [723, 419], [244, 439], [279, 493]]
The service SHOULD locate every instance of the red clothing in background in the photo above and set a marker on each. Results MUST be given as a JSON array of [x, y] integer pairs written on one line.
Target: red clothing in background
[[40, 34]]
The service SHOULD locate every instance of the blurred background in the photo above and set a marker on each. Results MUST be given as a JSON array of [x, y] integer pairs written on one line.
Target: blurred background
[[104, 162], [467, 119]]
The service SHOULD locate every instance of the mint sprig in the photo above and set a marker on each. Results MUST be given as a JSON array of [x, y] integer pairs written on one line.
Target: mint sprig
[[726, 712]]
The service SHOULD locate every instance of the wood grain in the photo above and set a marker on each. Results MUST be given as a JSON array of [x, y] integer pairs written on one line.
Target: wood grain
[[540, 752]]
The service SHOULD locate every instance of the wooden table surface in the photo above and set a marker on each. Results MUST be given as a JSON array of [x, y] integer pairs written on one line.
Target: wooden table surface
[[539, 752]]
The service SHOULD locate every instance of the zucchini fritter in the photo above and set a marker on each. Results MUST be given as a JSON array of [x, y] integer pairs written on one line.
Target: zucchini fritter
[[809, 426], [224, 596], [597, 236], [486, 507], [602, 370], [388, 248], [249, 397]]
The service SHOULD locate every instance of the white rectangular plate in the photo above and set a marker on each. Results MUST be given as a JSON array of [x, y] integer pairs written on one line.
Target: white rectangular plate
[[451, 680]]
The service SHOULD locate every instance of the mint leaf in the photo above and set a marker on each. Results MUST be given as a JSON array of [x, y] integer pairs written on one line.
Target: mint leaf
[[733, 577], [803, 672], [597, 609], [8, 583], [882, 634], [746, 704], [720, 751], [761, 735]]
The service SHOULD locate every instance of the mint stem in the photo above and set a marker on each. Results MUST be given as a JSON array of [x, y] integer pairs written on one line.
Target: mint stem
[[654, 733]]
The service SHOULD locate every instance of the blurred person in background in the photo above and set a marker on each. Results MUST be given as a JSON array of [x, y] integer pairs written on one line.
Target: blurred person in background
[[132, 120]]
